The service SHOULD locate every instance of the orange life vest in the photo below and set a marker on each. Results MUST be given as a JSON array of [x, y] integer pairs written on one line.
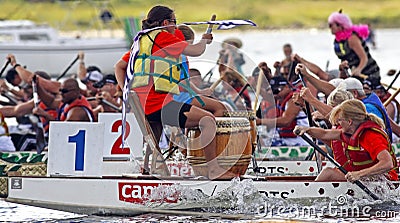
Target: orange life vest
[[79, 102], [358, 158]]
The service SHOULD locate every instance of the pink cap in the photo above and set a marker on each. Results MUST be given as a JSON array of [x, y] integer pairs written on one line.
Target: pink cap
[[341, 19]]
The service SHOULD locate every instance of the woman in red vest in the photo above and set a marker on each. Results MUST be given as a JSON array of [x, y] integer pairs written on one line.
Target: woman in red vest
[[367, 147]]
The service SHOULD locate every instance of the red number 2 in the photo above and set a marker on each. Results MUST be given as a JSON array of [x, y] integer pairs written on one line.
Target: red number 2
[[117, 146]]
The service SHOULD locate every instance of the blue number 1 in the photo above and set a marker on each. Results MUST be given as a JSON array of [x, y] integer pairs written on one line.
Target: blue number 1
[[79, 140]]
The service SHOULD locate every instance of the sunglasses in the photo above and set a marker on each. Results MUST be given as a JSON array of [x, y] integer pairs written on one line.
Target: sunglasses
[[172, 20], [64, 91], [276, 90]]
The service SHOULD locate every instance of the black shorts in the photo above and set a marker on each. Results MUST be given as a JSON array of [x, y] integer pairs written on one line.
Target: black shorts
[[171, 114]]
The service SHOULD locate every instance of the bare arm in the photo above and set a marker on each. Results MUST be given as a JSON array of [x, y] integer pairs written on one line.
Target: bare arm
[[312, 67], [47, 98], [198, 49], [323, 108], [120, 72], [81, 66], [18, 110], [323, 86], [355, 44], [385, 163], [288, 116], [319, 133], [77, 114]]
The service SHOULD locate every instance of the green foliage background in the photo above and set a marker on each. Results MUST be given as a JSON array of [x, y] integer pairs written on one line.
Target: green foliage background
[[84, 14]]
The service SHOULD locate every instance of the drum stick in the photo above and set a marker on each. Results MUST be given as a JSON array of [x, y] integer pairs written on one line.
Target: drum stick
[[210, 26], [391, 97], [258, 88]]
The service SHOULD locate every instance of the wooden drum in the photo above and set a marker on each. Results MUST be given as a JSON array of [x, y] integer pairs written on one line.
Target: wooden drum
[[252, 119], [233, 146]]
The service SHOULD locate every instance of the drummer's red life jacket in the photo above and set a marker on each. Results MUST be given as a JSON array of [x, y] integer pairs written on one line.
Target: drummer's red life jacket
[[358, 158], [286, 132], [79, 102]]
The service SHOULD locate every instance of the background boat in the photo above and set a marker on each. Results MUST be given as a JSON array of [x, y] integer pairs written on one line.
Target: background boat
[[40, 47]]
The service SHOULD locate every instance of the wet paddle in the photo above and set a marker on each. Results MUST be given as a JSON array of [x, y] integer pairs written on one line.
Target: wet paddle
[[36, 123], [67, 69], [332, 160], [311, 123]]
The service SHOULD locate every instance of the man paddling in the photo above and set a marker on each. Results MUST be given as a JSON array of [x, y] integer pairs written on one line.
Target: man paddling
[[72, 106]]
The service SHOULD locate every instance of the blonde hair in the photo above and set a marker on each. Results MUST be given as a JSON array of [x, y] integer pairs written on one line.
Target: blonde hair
[[338, 96], [354, 110]]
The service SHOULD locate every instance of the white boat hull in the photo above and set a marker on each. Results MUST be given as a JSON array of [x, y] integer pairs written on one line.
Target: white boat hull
[[127, 196], [54, 59]]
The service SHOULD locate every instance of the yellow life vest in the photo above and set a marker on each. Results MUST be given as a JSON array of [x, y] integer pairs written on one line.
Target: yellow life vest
[[164, 70]]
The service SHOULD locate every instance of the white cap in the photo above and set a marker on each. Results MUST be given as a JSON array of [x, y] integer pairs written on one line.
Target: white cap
[[336, 81], [353, 84], [93, 76]]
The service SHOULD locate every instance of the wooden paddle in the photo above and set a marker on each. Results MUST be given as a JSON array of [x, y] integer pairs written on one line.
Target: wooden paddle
[[387, 102], [332, 160]]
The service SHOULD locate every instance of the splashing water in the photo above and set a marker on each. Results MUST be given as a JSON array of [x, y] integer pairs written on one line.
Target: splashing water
[[242, 197]]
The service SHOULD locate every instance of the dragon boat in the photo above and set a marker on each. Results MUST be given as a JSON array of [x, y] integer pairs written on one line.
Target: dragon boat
[[87, 171]]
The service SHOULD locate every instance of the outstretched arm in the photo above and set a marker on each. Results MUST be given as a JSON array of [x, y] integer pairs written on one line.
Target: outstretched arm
[[312, 67], [46, 97], [319, 133], [323, 86], [355, 44]]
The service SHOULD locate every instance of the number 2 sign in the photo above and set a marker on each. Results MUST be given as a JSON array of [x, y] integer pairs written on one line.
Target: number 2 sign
[[113, 139]]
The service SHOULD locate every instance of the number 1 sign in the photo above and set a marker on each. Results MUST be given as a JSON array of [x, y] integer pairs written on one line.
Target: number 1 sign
[[75, 149]]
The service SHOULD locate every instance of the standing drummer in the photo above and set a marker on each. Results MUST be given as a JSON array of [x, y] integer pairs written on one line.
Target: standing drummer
[[288, 115]]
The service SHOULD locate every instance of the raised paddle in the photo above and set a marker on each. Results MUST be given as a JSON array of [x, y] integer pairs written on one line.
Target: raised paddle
[[67, 69], [5, 66], [332, 160]]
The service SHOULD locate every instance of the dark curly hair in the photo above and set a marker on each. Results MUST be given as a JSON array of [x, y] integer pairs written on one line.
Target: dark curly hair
[[156, 16]]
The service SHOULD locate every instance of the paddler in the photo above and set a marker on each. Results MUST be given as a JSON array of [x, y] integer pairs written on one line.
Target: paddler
[[366, 145]]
